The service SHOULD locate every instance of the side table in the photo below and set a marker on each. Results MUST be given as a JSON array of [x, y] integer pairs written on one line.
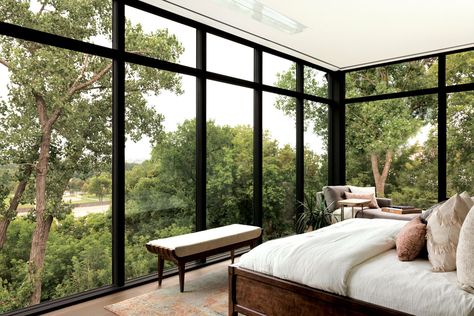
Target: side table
[[352, 203]]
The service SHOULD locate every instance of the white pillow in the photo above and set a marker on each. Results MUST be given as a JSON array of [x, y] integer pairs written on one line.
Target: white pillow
[[361, 190], [467, 198], [442, 234], [465, 254]]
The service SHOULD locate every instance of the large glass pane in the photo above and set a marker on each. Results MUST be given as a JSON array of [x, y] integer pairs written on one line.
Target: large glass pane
[[279, 173], [153, 36], [55, 171], [229, 154], [88, 21], [160, 164], [460, 68], [413, 75], [279, 72], [315, 147], [392, 144], [315, 82], [229, 58], [460, 141]]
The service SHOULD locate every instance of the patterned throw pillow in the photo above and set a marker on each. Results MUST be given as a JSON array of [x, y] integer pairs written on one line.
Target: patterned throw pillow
[[367, 196], [443, 231], [411, 240], [465, 254]]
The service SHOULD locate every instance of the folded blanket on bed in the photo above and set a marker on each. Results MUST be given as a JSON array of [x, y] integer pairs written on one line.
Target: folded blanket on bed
[[324, 258]]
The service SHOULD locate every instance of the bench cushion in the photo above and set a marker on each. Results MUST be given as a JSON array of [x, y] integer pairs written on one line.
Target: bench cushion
[[193, 243]]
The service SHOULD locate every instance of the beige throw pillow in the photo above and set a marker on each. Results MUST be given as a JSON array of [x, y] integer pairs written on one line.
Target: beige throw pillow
[[465, 254], [361, 190], [367, 196], [443, 231], [465, 196]]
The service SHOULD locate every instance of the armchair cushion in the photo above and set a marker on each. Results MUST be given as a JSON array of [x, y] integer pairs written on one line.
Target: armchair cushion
[[384, 202], [333, 194]]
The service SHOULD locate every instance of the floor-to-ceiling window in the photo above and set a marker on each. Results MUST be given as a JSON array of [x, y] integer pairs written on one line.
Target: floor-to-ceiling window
[[55, 166], [160, 122], [229, 189], [460, 124], [391, 143]]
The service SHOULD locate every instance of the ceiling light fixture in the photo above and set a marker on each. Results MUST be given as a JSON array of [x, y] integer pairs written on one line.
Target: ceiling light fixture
[[264, 14]]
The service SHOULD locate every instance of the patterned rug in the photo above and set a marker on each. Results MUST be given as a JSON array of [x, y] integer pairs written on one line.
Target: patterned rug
[[206, 295]]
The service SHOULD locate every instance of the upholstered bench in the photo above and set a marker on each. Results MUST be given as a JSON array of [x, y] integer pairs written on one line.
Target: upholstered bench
[[199, 245]]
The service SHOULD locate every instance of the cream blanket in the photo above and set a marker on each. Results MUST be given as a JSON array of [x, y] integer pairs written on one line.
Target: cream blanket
[[324, 258]]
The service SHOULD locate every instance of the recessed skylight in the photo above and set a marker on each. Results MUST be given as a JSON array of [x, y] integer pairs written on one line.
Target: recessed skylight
[[264, 14]]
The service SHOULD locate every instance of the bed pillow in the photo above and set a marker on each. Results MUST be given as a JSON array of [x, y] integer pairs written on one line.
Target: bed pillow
[[367, 196], [363, 190], [467, 198], [332, 194], [442, 234], [411, 240], [465, 254], [432, 209]]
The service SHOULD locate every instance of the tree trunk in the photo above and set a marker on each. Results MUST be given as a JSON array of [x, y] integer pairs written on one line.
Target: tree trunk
[[43, 221], [14, 205], [380, 179], [37, 255]]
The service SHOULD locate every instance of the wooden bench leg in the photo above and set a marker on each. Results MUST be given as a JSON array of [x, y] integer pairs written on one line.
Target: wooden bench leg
[[232, 255], [161, 263], [181, 266]]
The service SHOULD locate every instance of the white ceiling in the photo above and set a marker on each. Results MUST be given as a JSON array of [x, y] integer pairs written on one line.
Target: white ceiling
[[345, 34]]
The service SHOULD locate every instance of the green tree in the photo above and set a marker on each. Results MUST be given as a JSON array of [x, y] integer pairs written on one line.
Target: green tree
[[375, 131], [61, 101], [100, 185]]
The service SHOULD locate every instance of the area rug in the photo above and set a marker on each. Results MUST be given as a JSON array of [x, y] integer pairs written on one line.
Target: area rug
[[206, 295]]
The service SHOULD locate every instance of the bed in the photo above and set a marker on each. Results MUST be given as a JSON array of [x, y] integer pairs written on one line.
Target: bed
[[349, 268]]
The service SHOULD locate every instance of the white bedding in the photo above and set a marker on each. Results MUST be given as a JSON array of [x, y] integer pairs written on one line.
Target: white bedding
[[410, 287], [355, 258], [323, 259]]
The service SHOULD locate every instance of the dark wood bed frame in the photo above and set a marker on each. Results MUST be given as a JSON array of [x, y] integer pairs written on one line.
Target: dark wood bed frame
[[253, 293]]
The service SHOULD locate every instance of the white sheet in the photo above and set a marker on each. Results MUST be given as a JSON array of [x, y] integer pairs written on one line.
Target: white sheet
[[410, 287], [324, 258]]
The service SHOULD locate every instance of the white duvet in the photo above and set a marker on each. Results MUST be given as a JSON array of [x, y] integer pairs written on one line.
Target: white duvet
[[324, 258]]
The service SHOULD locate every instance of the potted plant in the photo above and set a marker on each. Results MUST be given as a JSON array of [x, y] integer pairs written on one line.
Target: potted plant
[[315, 214]]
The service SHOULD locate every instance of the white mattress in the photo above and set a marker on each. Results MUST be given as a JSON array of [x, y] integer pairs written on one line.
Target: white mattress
[[410, 287]]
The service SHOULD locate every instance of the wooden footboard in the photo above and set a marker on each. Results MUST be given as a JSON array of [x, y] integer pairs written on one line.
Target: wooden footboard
[[253, 293]]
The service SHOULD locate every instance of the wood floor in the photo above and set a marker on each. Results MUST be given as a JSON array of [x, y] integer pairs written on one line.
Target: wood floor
[[96, 307]]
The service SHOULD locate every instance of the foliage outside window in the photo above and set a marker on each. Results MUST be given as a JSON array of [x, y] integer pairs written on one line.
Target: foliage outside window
[[55, 127], [279, 173], [460, 143], [84, 20], [315, 147], [229, 188], [407, 76], [315, 82], [460, 68], [392, 144]]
